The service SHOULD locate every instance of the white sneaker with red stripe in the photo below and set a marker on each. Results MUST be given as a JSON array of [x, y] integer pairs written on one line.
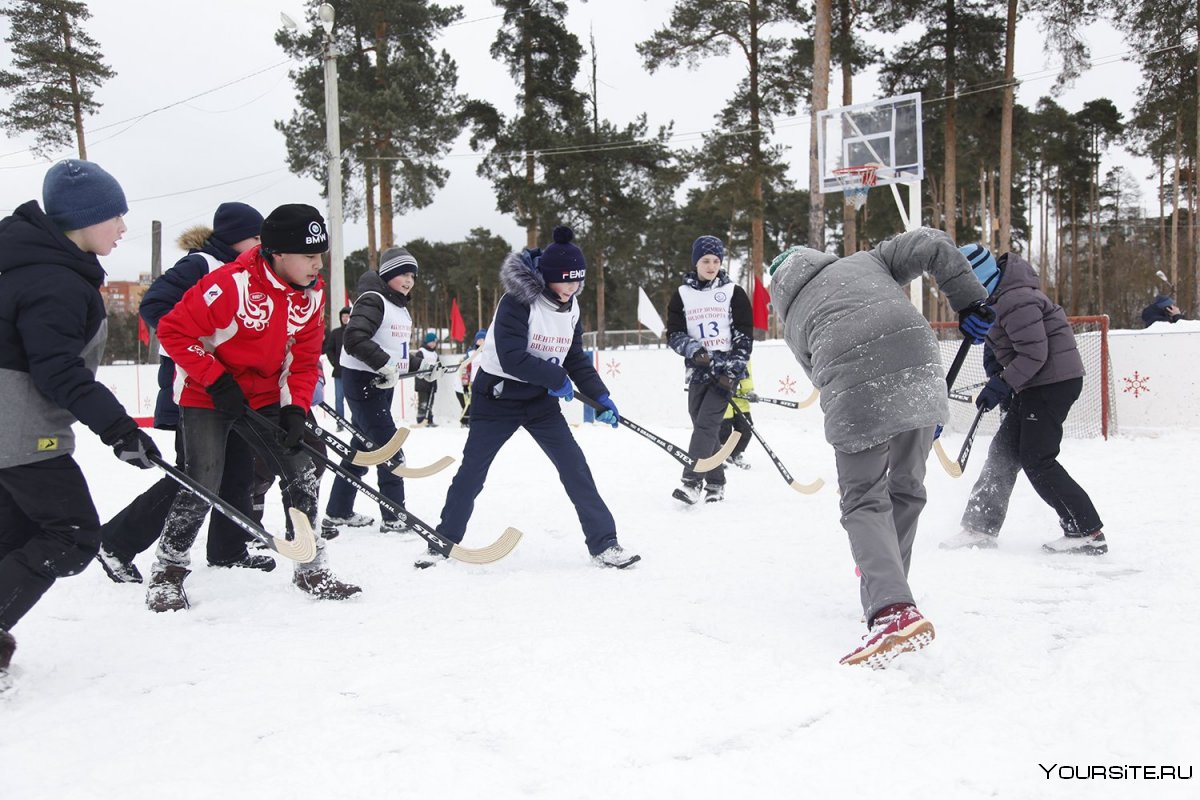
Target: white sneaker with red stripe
[[896, 629]]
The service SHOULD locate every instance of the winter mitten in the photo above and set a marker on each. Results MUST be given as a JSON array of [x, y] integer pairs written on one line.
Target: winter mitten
[[701, 358], [227, 396], [609, 416], [389, 376], [724, 385], [995, 393], [751, 397], [564, 392], [975, 320], [291, 420], [131, 444]]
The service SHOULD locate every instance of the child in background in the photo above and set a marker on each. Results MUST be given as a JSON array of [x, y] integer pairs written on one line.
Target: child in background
[[742, 397]]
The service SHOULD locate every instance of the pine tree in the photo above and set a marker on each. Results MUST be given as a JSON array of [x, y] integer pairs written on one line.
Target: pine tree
[[57, 70]]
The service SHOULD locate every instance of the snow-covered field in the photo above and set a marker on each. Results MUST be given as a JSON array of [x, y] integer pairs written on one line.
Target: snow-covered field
[[707, 671]]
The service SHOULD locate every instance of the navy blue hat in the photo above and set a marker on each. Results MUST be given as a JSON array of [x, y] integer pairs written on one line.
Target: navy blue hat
[[705, 246], [983, 264], [562, 262], [76, 194], [1164, 300], [295, 228], [234, 222], [480, 334], [396, 261]]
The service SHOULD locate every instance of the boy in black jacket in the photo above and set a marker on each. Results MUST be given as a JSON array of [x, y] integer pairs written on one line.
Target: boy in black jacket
[[52, 333]]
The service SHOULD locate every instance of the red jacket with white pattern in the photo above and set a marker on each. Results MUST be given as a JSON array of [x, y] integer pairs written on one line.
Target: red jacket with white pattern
[[245, 320]]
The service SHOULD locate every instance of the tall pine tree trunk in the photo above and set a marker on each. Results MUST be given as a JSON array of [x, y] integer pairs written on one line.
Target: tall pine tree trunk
[[1006, 131], [951, 126], [372, 241], [1175, 200], [820, 101], [73, 80]]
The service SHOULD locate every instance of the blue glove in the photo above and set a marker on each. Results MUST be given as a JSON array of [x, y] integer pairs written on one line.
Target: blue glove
[[564, 392], [937, 432], [975, 320], [997, 392], [609, 416]]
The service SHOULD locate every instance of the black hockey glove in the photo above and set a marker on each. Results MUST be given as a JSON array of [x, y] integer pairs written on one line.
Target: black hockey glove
[[724, 385], [291, 419], [131, 444], [701, 358], [227, 396]]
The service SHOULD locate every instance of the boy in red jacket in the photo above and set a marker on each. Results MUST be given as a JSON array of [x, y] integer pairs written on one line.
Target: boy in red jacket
[[248, 334]]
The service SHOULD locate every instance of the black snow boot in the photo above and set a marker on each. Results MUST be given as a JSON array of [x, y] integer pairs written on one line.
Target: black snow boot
[[165, 592], [322, 584]]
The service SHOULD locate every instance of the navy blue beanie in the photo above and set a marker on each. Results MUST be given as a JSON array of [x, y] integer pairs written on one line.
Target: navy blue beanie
[[234, 222], [482, 334], [705, 246], [562, 262], [76, 194], [1164, 300]]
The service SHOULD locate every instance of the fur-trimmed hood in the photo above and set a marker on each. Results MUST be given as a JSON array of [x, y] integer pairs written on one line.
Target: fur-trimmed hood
[[519, 278], [194, 238]]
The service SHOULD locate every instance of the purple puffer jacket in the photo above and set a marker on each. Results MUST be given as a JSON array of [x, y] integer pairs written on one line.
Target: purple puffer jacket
[[1031, 337]]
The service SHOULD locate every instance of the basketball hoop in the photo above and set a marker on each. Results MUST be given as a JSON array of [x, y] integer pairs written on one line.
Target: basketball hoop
[[857, 181]]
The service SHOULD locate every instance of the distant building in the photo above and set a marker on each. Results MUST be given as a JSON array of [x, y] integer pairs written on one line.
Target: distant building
[[122, 297]]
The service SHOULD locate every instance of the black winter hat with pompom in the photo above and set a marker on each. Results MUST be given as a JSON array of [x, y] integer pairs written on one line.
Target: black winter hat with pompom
[[562, 262]]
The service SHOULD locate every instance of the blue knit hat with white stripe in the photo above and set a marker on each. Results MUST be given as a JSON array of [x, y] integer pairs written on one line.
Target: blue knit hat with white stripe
[[983, 264], [396, 261]]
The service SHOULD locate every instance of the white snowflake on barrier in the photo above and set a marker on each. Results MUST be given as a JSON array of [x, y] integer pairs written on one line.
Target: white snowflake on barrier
[[787, 385], [612, 368], [1137, 384]]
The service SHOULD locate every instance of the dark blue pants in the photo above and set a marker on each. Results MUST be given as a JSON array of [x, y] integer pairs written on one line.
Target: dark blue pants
[[493, 422], [1028, 439], [48, 530], [372, 411]]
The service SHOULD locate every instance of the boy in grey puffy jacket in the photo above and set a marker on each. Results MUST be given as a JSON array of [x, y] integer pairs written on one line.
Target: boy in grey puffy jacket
[[1035, 374], [876, 362]]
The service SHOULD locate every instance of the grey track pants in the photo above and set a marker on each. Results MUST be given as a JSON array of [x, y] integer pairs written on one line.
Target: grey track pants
[[883, 492]]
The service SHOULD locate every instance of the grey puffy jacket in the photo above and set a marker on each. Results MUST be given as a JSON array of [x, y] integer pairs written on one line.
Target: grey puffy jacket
[[861, 341]]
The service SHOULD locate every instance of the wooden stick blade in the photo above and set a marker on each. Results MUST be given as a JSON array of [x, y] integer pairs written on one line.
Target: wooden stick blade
[[423, 472], [493, 552], [718, 458], [303, 546], [812, 398], [372, 458], [948, 464], [807, 488]]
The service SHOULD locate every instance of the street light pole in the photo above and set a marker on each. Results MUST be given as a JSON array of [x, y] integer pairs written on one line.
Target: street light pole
[[337, 268]]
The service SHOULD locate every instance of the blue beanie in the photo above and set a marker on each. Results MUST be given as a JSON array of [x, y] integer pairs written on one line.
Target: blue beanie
[[983, 264], [76, 194], [234, 222], [1164, 300], [481, 334], [430, 337], [705, 246], [562, 262]]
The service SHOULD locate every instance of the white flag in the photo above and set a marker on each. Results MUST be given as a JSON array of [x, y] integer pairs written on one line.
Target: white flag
[[647, 315]]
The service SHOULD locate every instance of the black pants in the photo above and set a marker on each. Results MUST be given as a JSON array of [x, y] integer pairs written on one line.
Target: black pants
[[706, 406], [426, 391], [1029, 439], [741, 424], [372, 409], [49, 529], [211, 440], [137, 527]]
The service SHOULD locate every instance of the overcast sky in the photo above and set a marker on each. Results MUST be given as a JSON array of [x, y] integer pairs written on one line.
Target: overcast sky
[[176, 165]]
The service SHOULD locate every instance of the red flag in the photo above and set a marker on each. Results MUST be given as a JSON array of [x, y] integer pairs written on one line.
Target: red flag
[[458, 328], [761, 299], [143, 331]]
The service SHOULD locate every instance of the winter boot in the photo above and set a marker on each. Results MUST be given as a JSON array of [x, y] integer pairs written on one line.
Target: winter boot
[[714, 492], [165, 592], [431, 558], [688, 492], [248, 561], [117, 568], [8, 646], [393, 526], [615, 556], [738, 461], [330, 525], [967, 538], [322, 584], [896, 629], [1088, 544]]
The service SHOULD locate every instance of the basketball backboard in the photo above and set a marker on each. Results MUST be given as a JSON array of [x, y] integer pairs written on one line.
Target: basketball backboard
[[886, 133]]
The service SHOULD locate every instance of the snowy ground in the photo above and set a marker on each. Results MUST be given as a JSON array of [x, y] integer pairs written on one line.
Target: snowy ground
[[708, 671]]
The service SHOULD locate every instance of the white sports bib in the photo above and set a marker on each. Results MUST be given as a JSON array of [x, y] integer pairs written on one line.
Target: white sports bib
[[393, 336], [709, 315], [550, 335]]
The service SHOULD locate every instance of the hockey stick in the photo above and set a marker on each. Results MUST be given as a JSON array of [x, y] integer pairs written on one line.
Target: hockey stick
[[952, 469], [803, 488], [397, 465], [774, 401], [483, 555], [393, 461], [360, 458], [396, 441], [960, 395], [439, 368], [676, 452], [301, 548]]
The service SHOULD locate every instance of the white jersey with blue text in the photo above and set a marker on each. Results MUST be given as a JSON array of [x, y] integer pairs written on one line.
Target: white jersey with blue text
[[709, 315], [395, 330], [550, 335]]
